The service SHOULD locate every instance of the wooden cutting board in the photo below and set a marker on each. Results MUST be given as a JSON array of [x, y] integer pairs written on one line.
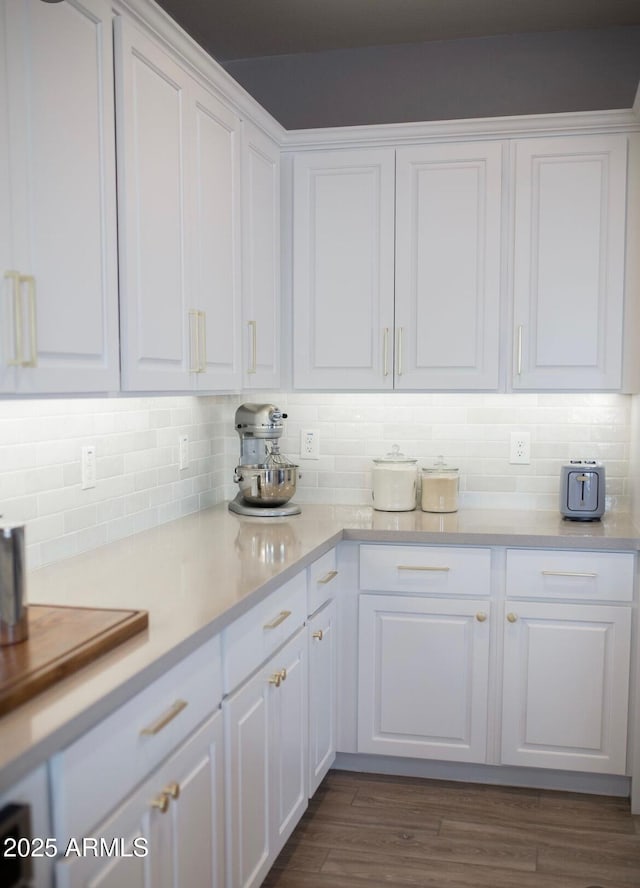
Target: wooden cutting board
[[61, 641]]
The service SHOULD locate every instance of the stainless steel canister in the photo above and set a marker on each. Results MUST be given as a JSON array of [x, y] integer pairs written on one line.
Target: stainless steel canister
[[13, 607]]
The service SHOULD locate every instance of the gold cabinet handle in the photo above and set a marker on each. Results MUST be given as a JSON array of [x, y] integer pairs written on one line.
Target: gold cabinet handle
[[282, 616], [253, 331], [385, 352], [569, 573], [512, 618], [399, 356], [319, 635], [30, 281], [161, 802], [164, 719], [194, 337], [202, 345], [481, 617], [419, 567], [173, 790], [328, 577], [278, 677], [519, 358], [14, 278]]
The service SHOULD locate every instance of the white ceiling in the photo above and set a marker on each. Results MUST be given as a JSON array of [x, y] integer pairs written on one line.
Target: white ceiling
[[238, 29]]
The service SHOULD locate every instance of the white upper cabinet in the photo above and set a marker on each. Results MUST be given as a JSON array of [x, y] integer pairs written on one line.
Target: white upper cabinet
[[568, 264], [178, 186], [343, 220], [58, 255], [260, 259], [214, 236], [448, 212]]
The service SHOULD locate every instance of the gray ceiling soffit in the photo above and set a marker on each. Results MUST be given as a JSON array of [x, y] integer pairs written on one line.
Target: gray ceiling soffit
[[241, 29]]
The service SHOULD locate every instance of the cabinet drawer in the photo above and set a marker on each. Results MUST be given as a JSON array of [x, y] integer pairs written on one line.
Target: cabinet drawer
[[323, 580], [253, 637], [587, 576], [445, 570], [96, 772]]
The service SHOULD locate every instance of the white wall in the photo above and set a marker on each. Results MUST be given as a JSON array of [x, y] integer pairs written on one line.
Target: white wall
[[139, 484]]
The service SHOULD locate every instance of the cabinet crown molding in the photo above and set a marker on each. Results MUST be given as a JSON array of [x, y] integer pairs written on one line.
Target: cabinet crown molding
[[396, 134]]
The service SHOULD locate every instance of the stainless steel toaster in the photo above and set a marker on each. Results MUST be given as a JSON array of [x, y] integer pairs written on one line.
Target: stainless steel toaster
[[582, 490]]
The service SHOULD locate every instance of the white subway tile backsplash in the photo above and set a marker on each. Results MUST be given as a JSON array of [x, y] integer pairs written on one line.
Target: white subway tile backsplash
[[139, 484]]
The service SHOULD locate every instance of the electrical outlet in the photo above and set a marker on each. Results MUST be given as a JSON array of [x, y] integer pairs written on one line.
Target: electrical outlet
[[183, 452], [88, 467], [520, 453], [309, 444]]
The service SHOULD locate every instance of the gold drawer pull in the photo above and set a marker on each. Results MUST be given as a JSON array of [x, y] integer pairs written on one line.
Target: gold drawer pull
[[568, 573], [512, 618], [319, 635], [161, 802], [173, 790], [282, 616], [328, 577], [278, 677], [164, 720], [481, 617], [412, 567]]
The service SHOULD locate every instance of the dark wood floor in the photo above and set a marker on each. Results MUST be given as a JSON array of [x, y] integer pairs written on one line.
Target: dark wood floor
[[362, 830]]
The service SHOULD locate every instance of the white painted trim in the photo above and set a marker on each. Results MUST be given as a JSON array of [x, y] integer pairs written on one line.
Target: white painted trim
[[636, 104], [150, 16], [579, 122]]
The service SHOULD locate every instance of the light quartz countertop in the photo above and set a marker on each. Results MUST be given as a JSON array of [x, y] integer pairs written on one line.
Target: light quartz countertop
[[196, 575]]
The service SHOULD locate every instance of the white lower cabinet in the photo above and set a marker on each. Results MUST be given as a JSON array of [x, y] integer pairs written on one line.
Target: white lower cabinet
[[169, 833], [423, 677], [266, 762], [322, 693], [566, 686]]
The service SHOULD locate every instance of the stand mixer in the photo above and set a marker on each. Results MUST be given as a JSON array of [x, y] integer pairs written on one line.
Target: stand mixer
[[267, 480]]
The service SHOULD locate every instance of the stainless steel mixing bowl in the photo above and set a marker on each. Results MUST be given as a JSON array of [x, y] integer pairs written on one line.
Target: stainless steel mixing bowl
[[266, 485]]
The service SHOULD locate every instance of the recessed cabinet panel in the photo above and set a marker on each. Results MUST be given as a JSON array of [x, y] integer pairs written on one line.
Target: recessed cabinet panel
[[423, 677], [343, 269], [569, 262], [58, 150], [261, 259], [214, 226], [566, 686], [151, 102], [448, 266]]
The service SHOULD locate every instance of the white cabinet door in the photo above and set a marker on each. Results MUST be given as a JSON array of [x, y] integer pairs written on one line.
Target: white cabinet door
[[213, 235], [266, 737], [423, 677], [322, 693], [566, 686], [448, 240], [261, 259], [568, 266], [57, 185], [289, 741], [343, 222], [171, 827], [247, 767], [152, 101]]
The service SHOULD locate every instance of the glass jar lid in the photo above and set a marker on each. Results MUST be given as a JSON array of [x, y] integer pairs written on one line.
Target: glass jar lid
[[440, 468], [394, 456]]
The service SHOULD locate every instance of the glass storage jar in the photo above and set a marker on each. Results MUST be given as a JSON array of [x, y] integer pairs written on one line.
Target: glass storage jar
[[395, 482], [440, 486]]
